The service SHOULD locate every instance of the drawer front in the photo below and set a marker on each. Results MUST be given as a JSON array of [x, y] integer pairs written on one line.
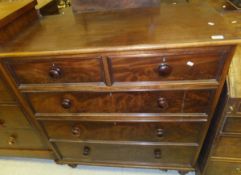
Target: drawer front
[[223, 168], [20, 139], [126, 153], [228, 147], [56, 71], [12, 117], [134, 102], [176, 65], [5, 96], [186, 132], [232, 125]]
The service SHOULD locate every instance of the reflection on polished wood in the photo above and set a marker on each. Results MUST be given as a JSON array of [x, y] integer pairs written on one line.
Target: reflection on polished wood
[[171, 26]]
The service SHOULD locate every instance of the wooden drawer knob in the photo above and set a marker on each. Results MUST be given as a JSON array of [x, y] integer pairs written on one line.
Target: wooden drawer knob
[[66, 103], [12, 140], [55, 72], [164, 69], [160, 132], [157, 153], [76, 131], [162, 103], [86, 151]]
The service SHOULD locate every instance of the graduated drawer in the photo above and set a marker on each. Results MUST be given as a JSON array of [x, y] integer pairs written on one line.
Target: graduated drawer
[[5, 96], [20, 139], [228, 147], [126, 153], [53, 70], [223, 168], [124, 102], [178, 64], [12, 117], [232, 125], [186, 132]]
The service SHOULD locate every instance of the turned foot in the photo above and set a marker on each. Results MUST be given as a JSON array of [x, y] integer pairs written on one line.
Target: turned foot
[[72, 165], [164, 170], [183, 172], [58, 163]]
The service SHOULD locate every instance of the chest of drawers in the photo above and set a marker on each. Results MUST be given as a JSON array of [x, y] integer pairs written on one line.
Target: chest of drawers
[[221, 153], [126, 94], [17, 135]]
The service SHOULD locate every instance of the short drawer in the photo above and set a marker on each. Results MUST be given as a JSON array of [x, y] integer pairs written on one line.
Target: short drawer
[[232, 125], [127, 153], [5, 96], [185, 132], [192, 64], [223, 168], [57, 71], [12, 117], [228, 147], [20, 139], [133, 102]]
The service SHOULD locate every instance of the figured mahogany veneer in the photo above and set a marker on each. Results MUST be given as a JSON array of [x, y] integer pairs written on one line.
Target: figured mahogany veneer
[[57, 71], [172, 65], [116, 102]]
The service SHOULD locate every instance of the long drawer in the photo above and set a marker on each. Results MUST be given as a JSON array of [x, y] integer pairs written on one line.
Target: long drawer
[[20, 139], [126, 153], [12, 117], [196, 101], [228, 147], [185, 132]]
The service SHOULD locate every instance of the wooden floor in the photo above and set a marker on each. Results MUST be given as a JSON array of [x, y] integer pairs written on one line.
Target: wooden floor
[[17, 166]]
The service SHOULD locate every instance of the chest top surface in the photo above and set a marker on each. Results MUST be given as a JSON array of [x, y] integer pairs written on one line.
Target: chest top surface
[[170, 26]]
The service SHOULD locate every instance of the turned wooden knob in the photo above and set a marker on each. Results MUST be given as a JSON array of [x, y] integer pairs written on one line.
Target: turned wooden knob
[[2, 122], [12, 140], [162, 103], [55, 72], [86, 151], [76, 131], [66, 103], [164, 69], [160, 132], [157, 153]]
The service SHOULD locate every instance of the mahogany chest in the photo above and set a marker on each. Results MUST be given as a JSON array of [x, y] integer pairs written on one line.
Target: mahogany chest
[[122, 88]]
